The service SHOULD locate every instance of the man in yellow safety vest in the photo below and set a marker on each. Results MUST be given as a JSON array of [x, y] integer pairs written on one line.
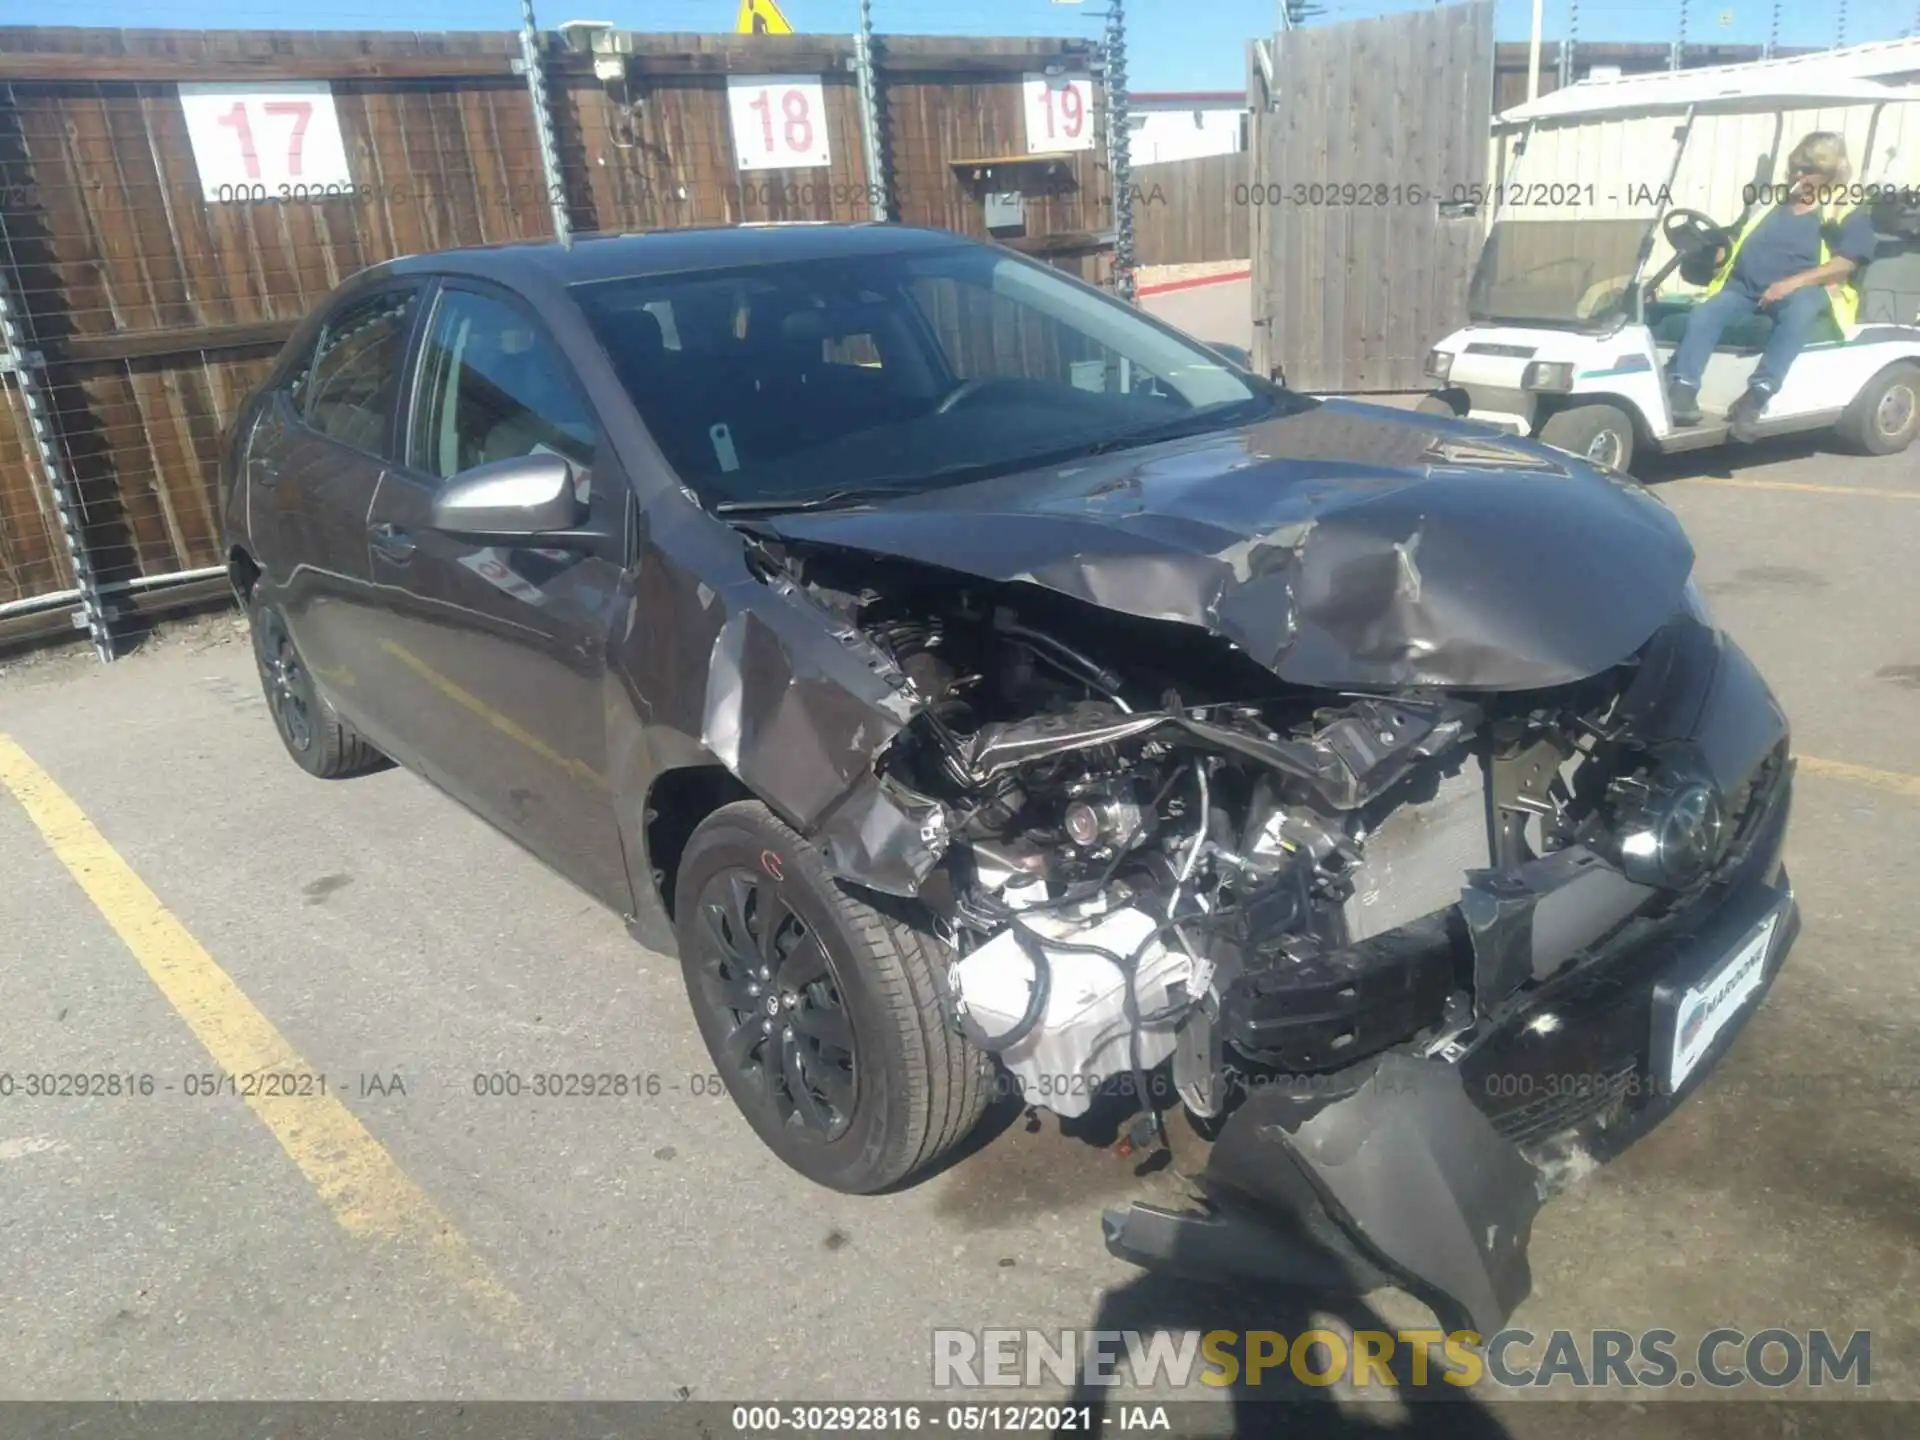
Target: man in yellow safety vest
[[1795, 261]]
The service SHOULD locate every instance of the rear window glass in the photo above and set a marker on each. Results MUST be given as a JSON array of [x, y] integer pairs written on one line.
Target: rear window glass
[[349, 390]]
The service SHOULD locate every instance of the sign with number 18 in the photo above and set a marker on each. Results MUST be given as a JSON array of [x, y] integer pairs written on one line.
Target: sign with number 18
[[779, 121]]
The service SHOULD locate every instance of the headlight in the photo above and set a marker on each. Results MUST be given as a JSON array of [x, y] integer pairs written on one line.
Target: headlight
[[1670, 829], [1554, 375], [1439, 363]]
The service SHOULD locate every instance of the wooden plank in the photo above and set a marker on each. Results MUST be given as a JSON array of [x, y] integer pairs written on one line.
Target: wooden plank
[[246, 335], [33, 552], [1259, 128], [1415, 124], [132, 69], [1336, 157], [1370, 262]]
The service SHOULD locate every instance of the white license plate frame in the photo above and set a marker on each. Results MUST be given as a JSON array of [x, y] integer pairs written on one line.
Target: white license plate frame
[[1704, 1009]]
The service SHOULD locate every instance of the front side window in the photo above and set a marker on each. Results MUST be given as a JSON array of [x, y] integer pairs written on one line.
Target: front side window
[[494, 386], [351, 385], [784, 383]]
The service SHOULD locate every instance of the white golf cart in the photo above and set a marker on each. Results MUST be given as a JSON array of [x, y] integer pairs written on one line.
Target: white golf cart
[[1589, 270]]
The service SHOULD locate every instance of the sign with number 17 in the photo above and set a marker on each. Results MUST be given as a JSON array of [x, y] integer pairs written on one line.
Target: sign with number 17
[[779, 121], [265, 140]]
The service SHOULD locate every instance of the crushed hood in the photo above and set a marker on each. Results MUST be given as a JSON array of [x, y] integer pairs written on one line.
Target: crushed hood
[[1345, 545]]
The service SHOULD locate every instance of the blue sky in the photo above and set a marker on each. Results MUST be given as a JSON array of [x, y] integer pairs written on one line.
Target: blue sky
[[1175, 44]]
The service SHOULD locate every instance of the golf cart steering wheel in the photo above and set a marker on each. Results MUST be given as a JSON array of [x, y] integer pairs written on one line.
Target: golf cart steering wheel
[[1697, 240], [1690, 232]]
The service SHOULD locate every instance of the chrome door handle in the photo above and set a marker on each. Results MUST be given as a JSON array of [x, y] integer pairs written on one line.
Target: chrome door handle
[[392, 542]]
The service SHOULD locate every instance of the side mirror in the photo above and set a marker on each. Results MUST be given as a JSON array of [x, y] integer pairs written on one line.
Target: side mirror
[[1235, 353], [524, 498]]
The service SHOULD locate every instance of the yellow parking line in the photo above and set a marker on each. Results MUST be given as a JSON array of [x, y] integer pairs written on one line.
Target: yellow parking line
[[1805, 486], [1894, 780], [367, 1191]]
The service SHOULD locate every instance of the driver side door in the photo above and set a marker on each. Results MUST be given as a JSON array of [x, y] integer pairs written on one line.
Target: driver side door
[[491, 657]]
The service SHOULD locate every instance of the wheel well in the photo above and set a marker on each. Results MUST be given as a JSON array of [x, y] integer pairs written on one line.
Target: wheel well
[[1904, 362], [677, 803], [242, 573], [1560, 404]]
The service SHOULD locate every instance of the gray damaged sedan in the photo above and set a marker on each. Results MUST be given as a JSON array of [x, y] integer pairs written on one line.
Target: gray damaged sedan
[[983, 687]]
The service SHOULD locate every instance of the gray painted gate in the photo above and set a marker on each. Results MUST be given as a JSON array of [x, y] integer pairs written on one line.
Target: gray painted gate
[[1367, 142]]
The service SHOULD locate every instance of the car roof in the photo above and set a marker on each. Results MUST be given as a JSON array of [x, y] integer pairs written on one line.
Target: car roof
[[666, 252]]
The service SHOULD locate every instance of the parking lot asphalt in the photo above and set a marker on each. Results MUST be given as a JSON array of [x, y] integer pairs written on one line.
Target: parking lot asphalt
[[179, 900]]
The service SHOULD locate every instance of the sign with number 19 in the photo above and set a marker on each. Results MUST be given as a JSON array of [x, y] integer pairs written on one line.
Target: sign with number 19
[[265, 140], [779, 121], [1059, 112]]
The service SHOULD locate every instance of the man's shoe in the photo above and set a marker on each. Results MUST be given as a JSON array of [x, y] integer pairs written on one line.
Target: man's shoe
[[1744, 417], [1683, 400]]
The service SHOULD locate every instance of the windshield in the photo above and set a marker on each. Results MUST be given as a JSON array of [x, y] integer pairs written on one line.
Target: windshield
[[780, 384], [1566, 272]]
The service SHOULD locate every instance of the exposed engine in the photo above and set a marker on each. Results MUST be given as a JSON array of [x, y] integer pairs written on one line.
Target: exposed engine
[[1160, 852]]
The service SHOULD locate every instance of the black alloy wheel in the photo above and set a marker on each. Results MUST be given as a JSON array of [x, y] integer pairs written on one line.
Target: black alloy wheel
[[824, 1008], [319, 740], [289, 688], [787, 1029]]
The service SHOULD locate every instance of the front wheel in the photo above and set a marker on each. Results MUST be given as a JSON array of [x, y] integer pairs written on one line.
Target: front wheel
[[823, 1014], [1601, 434], [1884, 417]]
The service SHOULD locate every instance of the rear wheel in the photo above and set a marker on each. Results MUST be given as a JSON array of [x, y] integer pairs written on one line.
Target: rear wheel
[[1602, 434], [823, 1015], [1884, 418], [320, 742]]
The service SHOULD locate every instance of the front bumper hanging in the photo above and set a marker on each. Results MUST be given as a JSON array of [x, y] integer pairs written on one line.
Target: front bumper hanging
[[1405, 1170]]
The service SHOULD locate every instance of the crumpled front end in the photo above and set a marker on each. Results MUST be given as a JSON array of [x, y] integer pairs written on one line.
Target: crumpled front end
[[1596, 1004], [1402, 810]]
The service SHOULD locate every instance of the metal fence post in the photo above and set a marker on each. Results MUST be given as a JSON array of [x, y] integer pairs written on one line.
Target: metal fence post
[[1120, 149], [532, 59], [18, 354], [879, 182]]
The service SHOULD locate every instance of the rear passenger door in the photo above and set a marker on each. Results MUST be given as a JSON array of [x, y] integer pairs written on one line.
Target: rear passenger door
[[491, 658], [313, 486]]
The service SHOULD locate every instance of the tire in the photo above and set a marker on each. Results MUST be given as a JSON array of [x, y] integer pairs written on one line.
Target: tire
[[320, 742], [889, 1086], [1438, 404], [1884, 418], [1598, 433]]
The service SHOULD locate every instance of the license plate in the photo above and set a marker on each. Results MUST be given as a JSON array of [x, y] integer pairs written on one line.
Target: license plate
[[1704, 1010]]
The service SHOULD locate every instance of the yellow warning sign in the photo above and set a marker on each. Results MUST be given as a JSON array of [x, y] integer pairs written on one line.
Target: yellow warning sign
[[761, 17]]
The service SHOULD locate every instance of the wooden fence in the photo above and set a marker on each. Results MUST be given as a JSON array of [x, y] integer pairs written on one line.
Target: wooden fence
[[1187, 211], [154, 309], [1191, 210], [1357, 266]]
